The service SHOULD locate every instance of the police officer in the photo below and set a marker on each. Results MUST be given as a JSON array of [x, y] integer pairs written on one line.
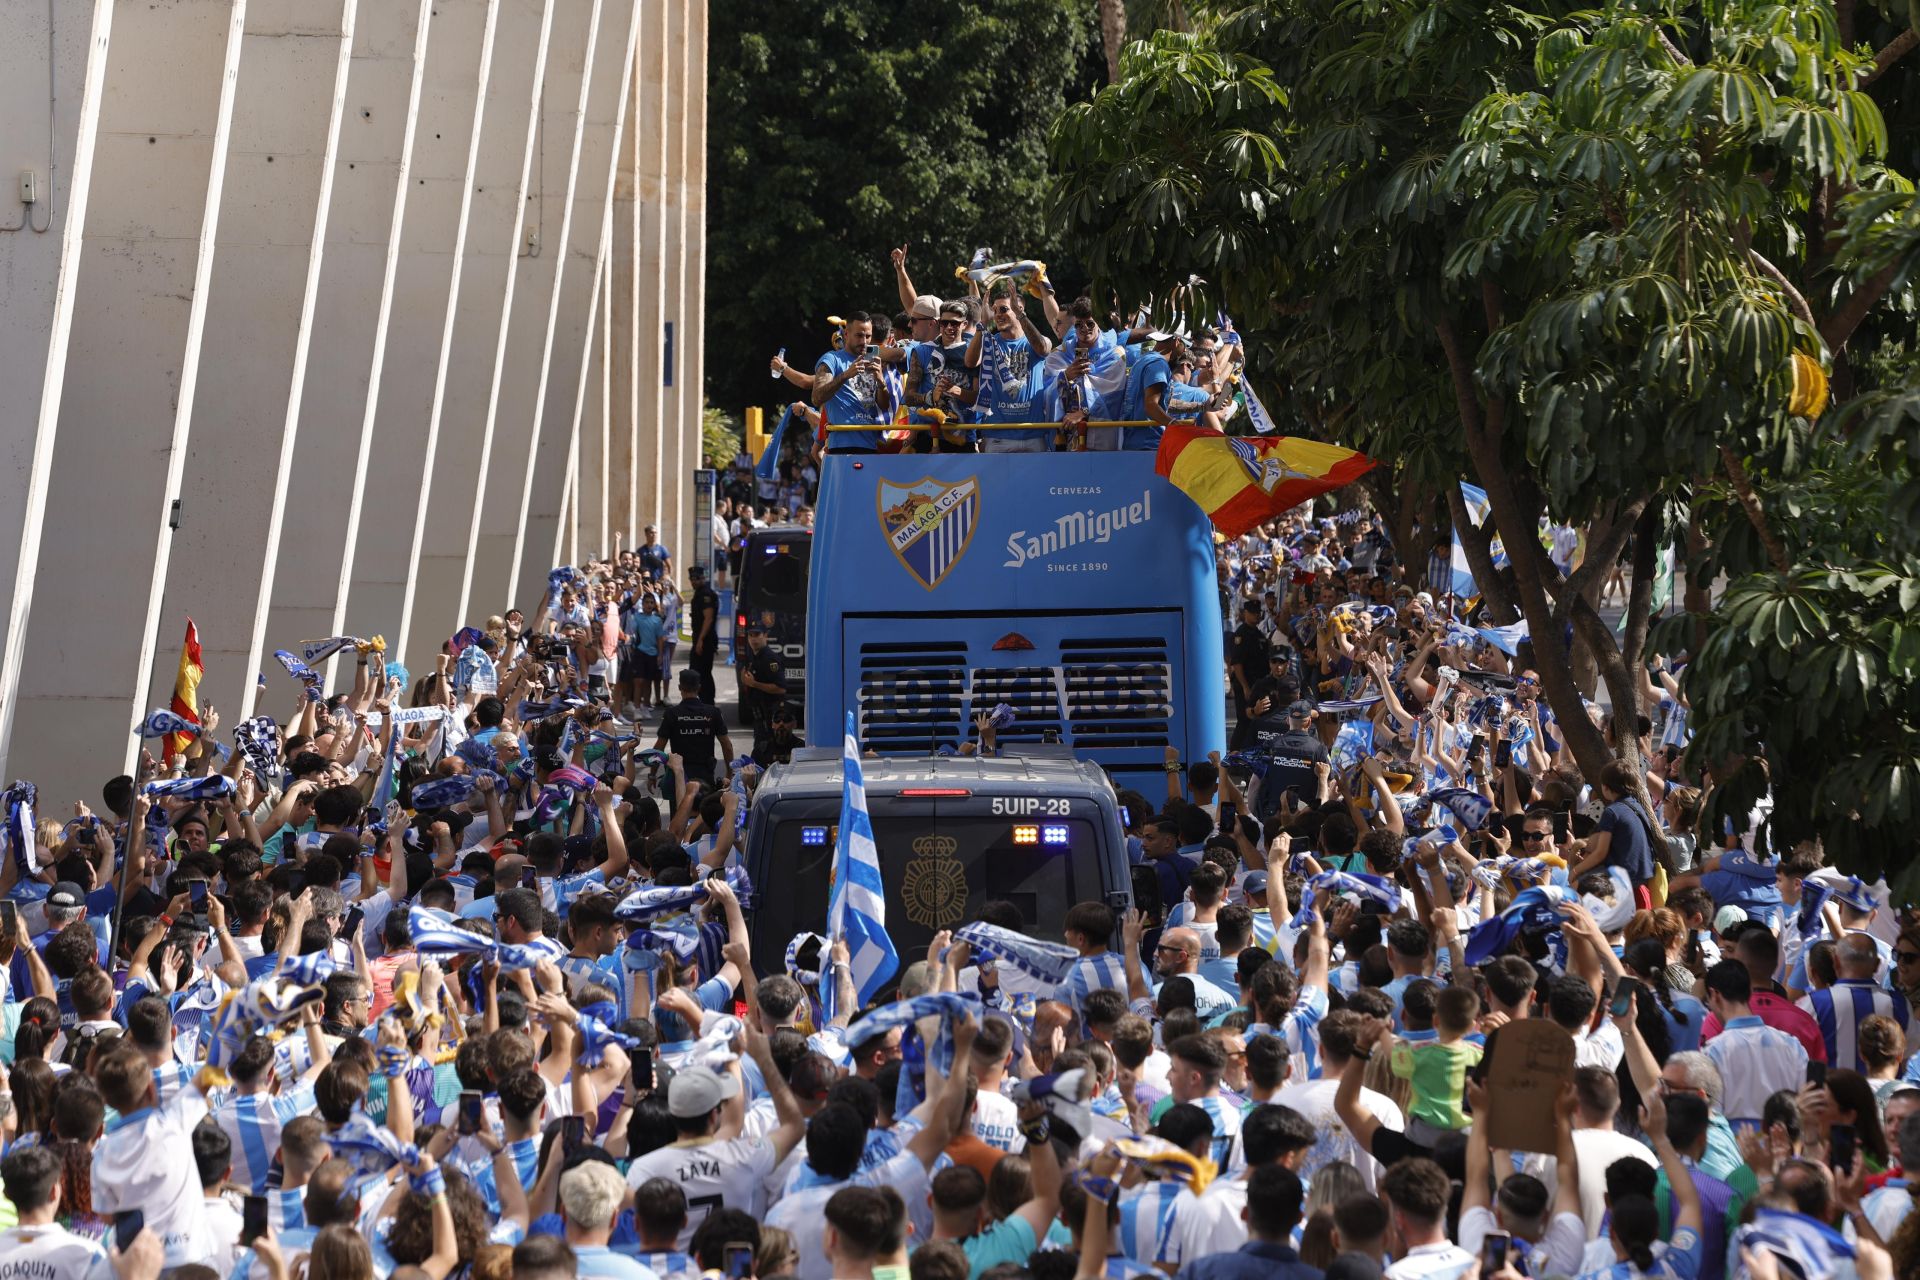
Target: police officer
[[764, 677], [1295, 757], [780, 740], [691, 727], [1247, 662], [703, 616]]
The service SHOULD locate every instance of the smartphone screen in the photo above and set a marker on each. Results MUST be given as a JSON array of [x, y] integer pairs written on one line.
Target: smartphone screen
[[1817, 1074], [9, 918], [529, 879], [472, 1111], [1623, 995], [253, 1219], [1503, 754], [351, 926], [1842, 1144], [296, 881], [739, 1261], [126, 1227], [1493, 1252], [197, 896], [643, 1073]]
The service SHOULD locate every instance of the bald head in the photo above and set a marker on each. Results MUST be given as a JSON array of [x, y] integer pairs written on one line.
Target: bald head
[[1856, 957], [1179, 952]]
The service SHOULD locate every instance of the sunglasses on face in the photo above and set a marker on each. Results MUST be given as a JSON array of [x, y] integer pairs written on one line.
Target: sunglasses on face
[[1906, 957]]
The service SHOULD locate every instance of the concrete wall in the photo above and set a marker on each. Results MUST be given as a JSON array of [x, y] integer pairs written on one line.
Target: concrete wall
[[376, 294]]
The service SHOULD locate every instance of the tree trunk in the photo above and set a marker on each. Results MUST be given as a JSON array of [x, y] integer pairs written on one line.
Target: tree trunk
[[1516, 526], [1113, 34]]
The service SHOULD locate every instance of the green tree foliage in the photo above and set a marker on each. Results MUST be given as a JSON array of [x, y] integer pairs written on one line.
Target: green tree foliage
[[841, 129], [1572, 252]]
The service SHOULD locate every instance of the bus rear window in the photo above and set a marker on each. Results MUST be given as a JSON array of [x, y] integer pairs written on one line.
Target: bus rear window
[[939, 872]]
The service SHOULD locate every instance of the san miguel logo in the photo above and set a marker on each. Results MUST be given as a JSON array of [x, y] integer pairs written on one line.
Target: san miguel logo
[[929, 524]]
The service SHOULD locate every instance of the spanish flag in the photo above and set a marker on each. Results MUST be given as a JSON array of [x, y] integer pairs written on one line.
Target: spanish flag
[[1241, 480], [186, 690]]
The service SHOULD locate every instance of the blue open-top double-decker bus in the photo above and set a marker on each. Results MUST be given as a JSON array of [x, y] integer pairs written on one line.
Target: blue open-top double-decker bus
[[1076, 588]]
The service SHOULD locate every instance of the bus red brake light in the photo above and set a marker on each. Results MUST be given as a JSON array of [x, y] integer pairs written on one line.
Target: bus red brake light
[[1012, 642], [947, 793]]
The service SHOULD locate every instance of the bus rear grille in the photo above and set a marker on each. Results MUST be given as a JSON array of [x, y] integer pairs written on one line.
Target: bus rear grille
[[912, 696], [1119, 691], [1031, 693]]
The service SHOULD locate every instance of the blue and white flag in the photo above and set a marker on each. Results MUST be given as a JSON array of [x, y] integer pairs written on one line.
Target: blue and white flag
[[857, 902], [765, 467], [259, 741], [1045, 961], [1532, 910], [1506, 639], [1855, 893], [160, 722], [383, 789], [1814, 1248], [597, 1034], [1472, 808]]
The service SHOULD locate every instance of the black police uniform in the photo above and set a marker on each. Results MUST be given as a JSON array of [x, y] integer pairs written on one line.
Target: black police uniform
[[702, 655], [692, 727], [1250, 652], [767, 667], [1291, 755]]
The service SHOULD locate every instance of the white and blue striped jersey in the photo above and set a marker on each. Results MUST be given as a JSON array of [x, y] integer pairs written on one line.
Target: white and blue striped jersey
[[1106, 971], [253, 1122], [1146, 1214], [1841, 1008], [1225, 1114], [1301, 1029]]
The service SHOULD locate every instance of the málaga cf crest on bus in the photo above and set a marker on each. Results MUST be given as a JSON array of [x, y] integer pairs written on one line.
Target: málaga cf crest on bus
[[929, 524]]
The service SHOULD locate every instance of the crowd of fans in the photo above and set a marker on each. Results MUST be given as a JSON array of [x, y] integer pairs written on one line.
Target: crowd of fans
[[457, 978]]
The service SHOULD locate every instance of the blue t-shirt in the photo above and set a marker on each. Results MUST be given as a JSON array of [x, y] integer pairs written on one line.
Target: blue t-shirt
[[646, 630], [857, 401], [1015, 401], [1150, 370], [654, 557], [1745, 882]]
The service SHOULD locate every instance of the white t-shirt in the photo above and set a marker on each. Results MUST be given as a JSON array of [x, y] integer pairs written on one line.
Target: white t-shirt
[[146, 1163], [1443, 1261], [1314, 1100], [1597, 1149], [223, 1234], [1207, 1223], [51, 1253], [714, 1175], [802, 1214], [1557, 1253], [996, 1122]]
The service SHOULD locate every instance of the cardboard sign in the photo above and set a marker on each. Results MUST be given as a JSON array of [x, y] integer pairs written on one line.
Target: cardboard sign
[[1528, 1062]]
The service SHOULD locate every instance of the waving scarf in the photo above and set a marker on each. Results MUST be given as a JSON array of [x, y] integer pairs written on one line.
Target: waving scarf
[[946, 1006], [306, 675], [160, 722], [258, 740], [371, 1149], [1044, 961], [20, 798], [1532, 910], [1337, 883]]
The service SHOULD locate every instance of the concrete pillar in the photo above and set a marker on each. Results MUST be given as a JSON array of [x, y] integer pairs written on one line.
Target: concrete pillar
[[650, 252], [131, 363], [49, 124], [333, 443], [622, 318], [576, 294], [525, 348], [488, 275], [675, 461], [693, 241], [423, 282], [260, 305]]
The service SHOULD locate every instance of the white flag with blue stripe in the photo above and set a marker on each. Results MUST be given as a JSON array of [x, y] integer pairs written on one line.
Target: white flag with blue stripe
[[857, 904]]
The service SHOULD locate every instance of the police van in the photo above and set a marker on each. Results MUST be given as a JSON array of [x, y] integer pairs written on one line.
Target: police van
[[1034, 827]]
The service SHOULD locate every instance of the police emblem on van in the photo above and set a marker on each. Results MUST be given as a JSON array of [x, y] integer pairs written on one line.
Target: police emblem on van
[[935, 887], [929, 524]]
